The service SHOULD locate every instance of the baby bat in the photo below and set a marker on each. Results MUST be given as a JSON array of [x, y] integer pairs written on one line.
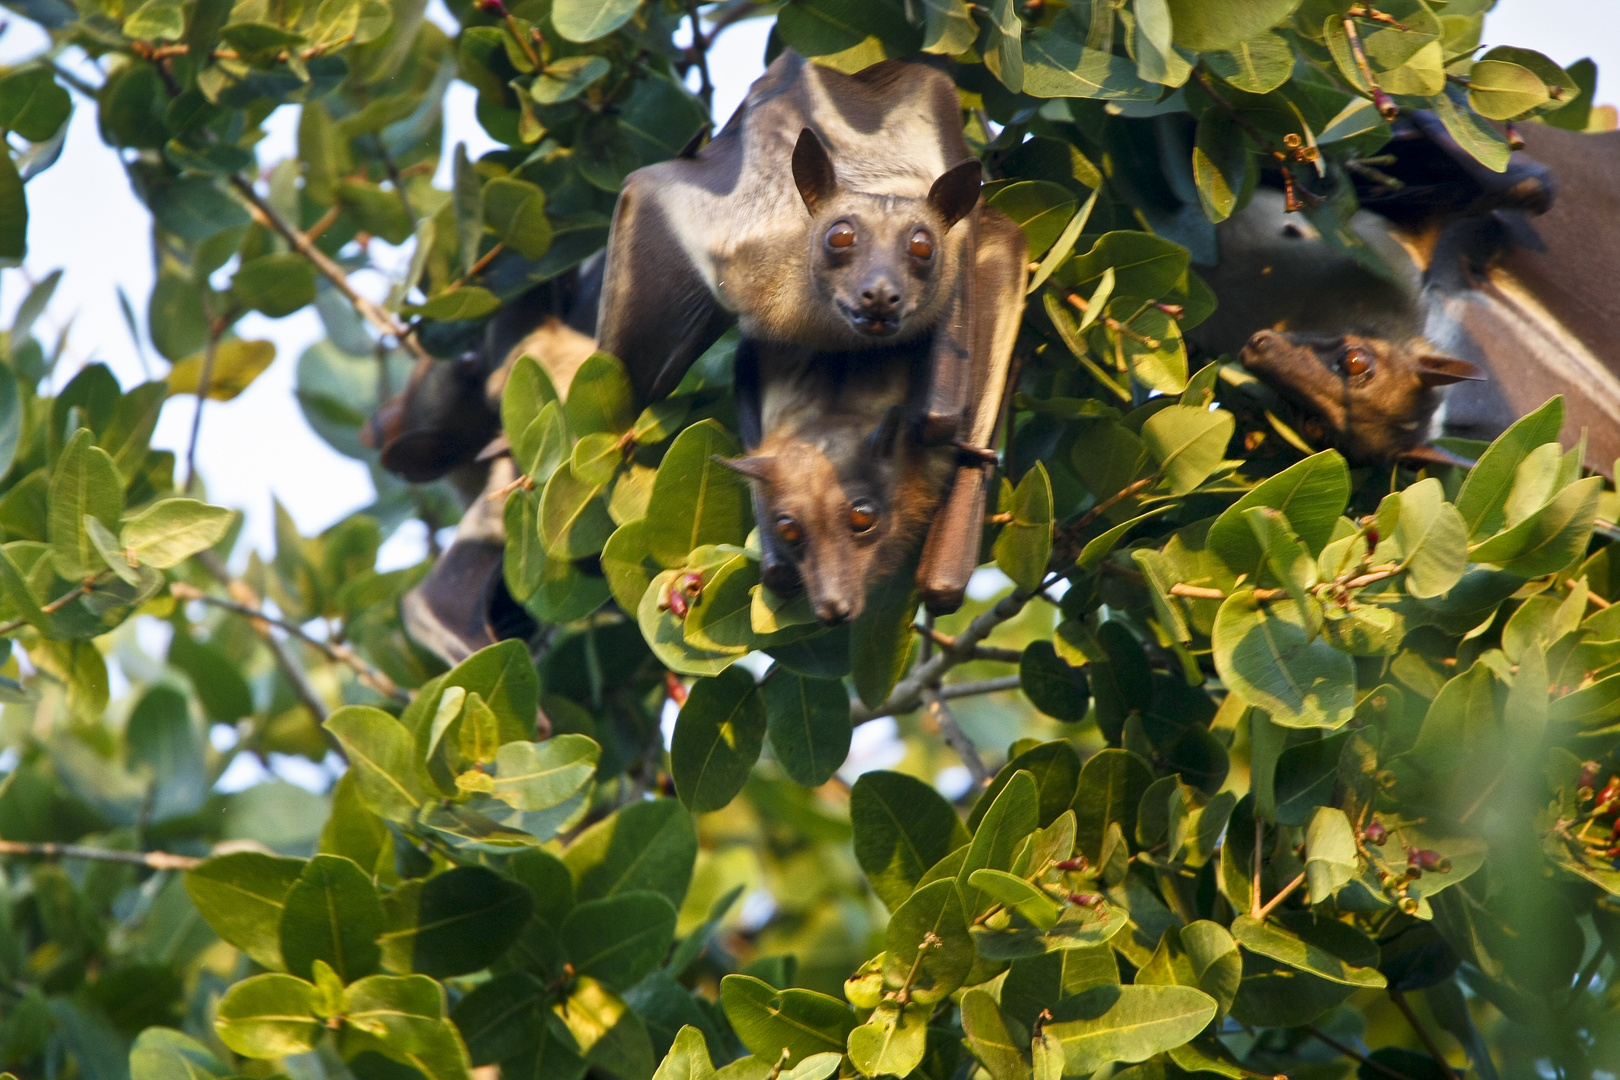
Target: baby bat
[[837, 214], [1374, 398], [843, 489]]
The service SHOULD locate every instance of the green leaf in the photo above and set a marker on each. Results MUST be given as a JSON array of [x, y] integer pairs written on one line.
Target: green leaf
[[1055, 768], [382, 755], [84, 482], [565, 78], [948, 27], [694, 500], [927, 943], [1039, 207], [332, 913], [644, 846], [587, 20], [1012, 817], [688, 1057], [1258, 65], [516, 211], [1052, 685], [1485, 490], [1056, 66], [1330, 853], [881, 637], [242, 895], [277, 285], [1433, 539], [465, 302], [892, 1043], [31, 104], [1220, 162], [1025, 543], [784, 1026], [619, 939], [1018, 895], [538, 776], [269, 1016], [1286, 557], [403, 1017], [1128, 1023], [808, 722], [1499, 90], [13, 214], [1267, 654], [600, 397], [1205, 27], [164, 1054], [170, 531], [574, 520], [453, 923], [1487, 145], [1188, 443], [605, 1029], [1326, 949], [1110, 791], [902, 828], [718, 736], [1311, 493], [236, 364], [1201, 955], [1551, 538], [987, 1036]]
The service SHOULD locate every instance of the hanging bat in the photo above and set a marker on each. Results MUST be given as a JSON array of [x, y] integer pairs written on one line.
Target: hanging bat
[[839, 214], [1373, 398]]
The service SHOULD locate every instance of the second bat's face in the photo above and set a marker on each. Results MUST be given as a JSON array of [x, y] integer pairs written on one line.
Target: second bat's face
[[882, 261]]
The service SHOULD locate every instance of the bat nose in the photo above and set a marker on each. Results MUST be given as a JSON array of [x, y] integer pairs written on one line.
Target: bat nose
[[879, 297], [833, 610], [1259, 344]]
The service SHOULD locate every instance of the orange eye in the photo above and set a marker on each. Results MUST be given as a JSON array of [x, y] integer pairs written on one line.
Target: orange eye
[[862, 517], [922, 245], [789, 530], [1357, 360], [841, 235]]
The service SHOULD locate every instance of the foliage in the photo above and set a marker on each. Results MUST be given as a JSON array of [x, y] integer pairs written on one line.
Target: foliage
[[1302, 756]]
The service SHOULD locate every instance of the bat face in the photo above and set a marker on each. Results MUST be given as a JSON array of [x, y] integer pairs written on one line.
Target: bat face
[[883, 263], [1373, 397]]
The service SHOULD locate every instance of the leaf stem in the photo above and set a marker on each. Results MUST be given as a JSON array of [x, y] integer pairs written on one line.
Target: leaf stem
[[1422, 1033], [1287, 890]]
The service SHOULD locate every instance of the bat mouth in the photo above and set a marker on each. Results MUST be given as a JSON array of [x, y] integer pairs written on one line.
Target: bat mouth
[[872, 325]]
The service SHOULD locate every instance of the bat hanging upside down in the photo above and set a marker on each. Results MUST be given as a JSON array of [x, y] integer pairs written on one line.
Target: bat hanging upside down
[[836, 219]]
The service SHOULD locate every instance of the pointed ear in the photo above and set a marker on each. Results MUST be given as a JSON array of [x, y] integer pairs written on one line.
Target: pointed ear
[[955, 192], [813, 171], [754, 467], [1441, 370], [883, 439]]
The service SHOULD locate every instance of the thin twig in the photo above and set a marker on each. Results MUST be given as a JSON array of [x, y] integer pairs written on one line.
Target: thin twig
[[334, 651], [205, 380], [1287, 890], [1254, 889], [979, 652], [907, 693], [1374, 1063], [372, 312], [699, 54], [157, 860], [83, 588], [893, 707], [955, 737], [1422, 1033], [1066, 545]]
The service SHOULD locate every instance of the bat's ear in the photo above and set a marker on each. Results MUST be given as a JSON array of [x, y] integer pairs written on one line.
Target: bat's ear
[[955, 192], [813, 171], [881, 442], [1440, 370], [754, 467]]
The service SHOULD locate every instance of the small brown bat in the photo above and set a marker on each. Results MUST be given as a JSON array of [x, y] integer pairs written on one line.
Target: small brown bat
[[843, 488], [1374, 398]]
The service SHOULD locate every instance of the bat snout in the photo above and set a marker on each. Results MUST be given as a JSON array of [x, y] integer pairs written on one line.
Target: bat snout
[[1259, 348]]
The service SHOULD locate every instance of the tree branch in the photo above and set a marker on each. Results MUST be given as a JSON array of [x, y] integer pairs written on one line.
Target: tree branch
[[955, 737], [372, 312], [1422, 1033], [1287, 890], [157, 860], [979, 652], [860, 714], [1372, 1063]]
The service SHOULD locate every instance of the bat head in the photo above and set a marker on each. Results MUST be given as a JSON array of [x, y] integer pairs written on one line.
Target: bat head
[[1373, 397], [828, 511], [882, 261]]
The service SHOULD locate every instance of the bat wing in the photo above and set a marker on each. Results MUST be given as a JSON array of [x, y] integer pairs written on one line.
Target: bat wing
[[992, 302]]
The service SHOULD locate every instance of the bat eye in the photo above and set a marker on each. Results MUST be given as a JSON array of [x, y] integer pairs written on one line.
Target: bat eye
[[841, 235], [789, 530], [1357, 361], [862, 517], [922, 245]]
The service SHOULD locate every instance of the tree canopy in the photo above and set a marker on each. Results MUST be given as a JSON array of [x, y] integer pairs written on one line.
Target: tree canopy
[[1273, 764]]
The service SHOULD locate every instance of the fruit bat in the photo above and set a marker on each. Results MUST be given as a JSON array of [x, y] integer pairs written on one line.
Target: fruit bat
[[838, 214], [1374, 398]]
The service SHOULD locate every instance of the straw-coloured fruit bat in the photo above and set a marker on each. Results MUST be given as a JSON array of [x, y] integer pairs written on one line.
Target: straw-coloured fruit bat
[[838, 215], [1374, 398]]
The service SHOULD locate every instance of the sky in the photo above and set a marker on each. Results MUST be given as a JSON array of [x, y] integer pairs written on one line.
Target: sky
[[85, 219]]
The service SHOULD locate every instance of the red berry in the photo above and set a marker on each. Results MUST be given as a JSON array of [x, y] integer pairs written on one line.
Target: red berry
[[1589, 774], [692, 585], [1076, 863], [492, 7], [678, 606], [1085, 899], [1375, 833]]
